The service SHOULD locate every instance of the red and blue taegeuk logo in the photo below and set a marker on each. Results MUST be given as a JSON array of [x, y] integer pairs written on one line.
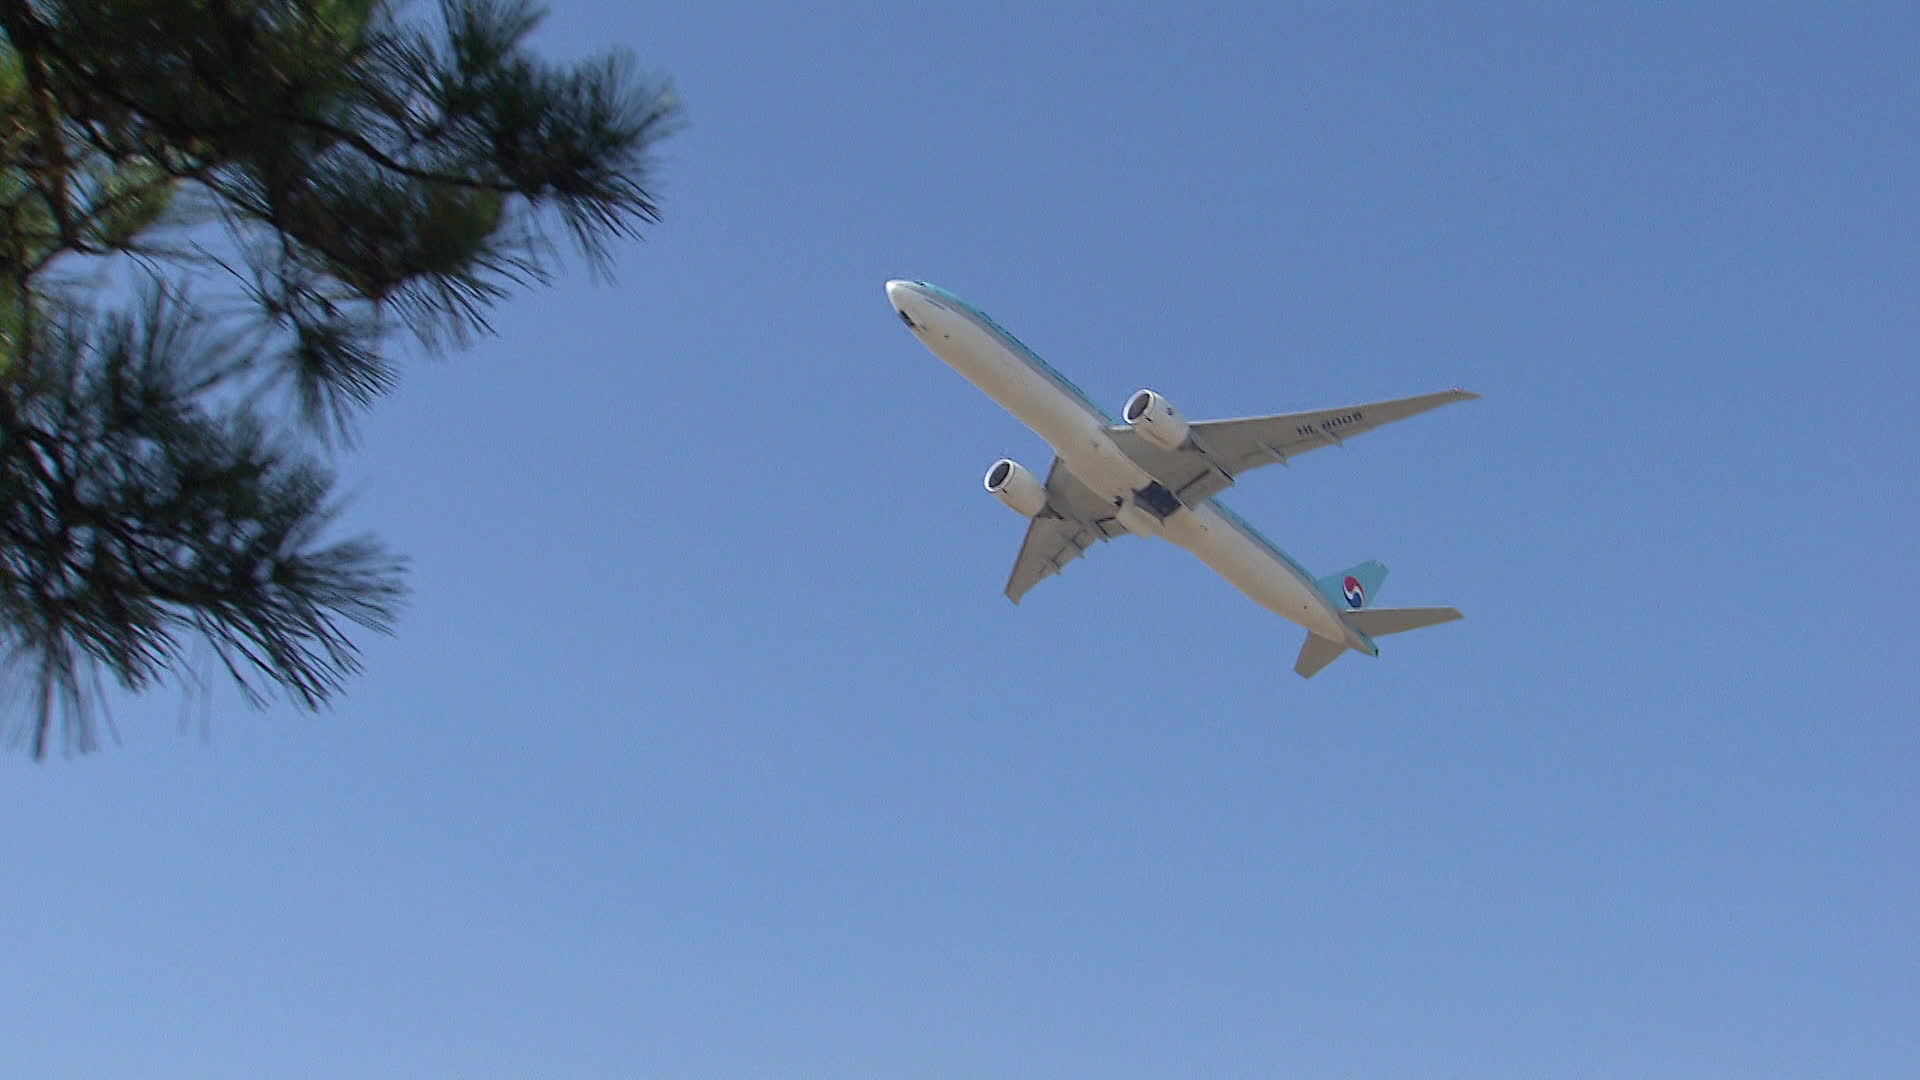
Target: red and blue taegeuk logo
[[1356, 593]]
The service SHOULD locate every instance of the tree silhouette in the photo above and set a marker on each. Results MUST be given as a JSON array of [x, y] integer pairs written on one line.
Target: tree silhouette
[[277, 192]]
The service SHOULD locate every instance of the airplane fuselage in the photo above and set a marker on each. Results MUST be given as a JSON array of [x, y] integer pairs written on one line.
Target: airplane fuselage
[[1014, 376]]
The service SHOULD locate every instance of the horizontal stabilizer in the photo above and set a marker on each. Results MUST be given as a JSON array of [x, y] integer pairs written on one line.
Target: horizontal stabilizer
[[1379, 622], [1317, 653]]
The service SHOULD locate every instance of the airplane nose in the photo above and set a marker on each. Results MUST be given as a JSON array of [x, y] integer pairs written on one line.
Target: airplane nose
[[902, 294]]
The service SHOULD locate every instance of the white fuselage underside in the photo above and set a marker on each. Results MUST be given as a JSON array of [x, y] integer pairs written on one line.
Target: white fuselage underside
[[1011, 375]]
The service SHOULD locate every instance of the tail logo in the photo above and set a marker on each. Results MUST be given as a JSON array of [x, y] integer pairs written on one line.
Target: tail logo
[[1356, 593]]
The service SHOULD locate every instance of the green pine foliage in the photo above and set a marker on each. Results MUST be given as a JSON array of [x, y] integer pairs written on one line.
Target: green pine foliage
[[281, 192]]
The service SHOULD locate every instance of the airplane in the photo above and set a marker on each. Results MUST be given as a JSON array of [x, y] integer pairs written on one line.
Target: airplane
[[1159, 474]]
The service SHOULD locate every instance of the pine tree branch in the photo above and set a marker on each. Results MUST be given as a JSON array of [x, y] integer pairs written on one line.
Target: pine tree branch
[[370, 176]]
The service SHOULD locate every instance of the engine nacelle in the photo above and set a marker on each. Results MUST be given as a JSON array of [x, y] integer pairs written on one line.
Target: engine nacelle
[[1155, 418], [1012, 484]]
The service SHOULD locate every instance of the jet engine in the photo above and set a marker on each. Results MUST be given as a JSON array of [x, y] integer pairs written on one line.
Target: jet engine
[[1012, 484], [1155, 418]]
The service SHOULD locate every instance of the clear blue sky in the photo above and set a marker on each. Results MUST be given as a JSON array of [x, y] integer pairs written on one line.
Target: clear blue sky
[[709, 747]]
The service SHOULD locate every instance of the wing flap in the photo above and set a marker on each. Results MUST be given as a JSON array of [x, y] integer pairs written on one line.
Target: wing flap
[[1223, 449], [1074, 520], [1249, 442]]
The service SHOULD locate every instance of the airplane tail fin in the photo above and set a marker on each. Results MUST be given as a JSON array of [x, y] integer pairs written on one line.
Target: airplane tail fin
[[1354, 587], [1318, 652]]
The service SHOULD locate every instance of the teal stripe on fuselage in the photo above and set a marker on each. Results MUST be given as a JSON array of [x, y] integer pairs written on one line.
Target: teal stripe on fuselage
[[1299, 571], [1260, 538], [1019, 348]]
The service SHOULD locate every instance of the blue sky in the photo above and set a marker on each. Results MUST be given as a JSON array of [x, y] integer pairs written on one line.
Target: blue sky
[[709, 747]]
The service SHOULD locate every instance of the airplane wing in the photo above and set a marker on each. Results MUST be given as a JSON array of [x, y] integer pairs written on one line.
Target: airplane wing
[[1220, 450], [1074, 519]]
